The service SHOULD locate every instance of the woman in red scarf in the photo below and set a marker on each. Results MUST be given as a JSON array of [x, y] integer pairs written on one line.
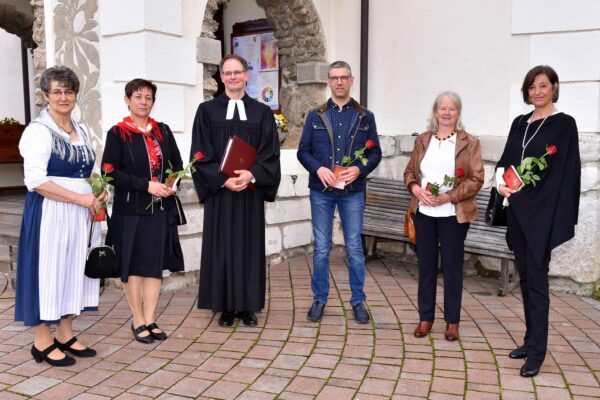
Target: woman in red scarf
[[143, 227]]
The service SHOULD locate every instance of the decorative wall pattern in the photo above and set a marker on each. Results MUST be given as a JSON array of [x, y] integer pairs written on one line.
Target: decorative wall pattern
[[76, 46]]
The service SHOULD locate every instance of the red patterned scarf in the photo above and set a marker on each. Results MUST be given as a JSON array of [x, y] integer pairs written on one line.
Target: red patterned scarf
[[128, 127]]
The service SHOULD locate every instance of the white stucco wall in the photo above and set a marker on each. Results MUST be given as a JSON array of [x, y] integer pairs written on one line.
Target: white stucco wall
[[435, 46], [158, 43], [341, 25]]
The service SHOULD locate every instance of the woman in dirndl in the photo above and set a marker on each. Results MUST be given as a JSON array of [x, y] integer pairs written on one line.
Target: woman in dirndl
[[51, 285]]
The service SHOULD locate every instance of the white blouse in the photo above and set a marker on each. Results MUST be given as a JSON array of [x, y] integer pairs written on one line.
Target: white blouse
[[439, 160], [35, 147]]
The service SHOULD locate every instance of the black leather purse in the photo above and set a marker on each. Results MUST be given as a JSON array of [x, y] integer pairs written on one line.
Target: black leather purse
[[102, 261], [495, 213], [181, 220]]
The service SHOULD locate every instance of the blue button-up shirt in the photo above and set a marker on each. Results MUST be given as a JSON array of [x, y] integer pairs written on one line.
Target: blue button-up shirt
[[341, 123]]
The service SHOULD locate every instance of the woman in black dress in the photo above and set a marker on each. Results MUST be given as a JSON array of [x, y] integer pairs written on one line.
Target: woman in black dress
[[543, 216], [143, 227]]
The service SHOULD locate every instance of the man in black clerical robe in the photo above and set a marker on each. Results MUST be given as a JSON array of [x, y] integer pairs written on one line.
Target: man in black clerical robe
[[233, 265]]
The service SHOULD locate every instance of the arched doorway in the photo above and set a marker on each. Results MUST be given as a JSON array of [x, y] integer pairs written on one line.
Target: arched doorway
[[16, 43], [300, 39]]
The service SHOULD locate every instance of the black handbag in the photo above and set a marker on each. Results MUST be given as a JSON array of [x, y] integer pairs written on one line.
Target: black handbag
[[102, 261], [181, 220], [495, 213]]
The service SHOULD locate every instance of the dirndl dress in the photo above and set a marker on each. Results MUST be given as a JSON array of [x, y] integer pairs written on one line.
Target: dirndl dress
[[53, 247]]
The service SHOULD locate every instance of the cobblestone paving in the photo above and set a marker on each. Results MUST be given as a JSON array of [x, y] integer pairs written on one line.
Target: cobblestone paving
[[288, 357]]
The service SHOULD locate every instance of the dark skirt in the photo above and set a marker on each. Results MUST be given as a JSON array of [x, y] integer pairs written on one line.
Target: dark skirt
[[146, 244]]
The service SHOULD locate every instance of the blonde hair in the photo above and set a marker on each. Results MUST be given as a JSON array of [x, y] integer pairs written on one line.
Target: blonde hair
[[433, 124]]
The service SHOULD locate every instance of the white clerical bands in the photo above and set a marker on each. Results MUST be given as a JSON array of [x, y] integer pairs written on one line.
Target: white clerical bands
[[231, 109]]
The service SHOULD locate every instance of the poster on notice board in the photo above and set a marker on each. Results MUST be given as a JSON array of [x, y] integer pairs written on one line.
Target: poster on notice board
[[260, 50]]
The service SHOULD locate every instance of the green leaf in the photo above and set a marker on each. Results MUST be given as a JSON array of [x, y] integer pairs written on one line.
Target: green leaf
[[345, 161], [364, 161]]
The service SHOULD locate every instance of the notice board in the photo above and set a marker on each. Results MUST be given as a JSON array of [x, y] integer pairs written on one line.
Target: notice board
[[256, 42]]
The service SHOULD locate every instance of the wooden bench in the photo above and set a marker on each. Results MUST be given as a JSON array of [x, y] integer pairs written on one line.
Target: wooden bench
[[386, 203]]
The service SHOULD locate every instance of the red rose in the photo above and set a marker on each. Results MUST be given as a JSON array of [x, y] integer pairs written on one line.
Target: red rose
[[370, 144], [552, 150], [107, 168], [198, 156], [460, 173]]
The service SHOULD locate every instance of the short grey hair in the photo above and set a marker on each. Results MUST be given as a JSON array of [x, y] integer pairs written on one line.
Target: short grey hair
[[339, 64], [63, 75], [433, 124]]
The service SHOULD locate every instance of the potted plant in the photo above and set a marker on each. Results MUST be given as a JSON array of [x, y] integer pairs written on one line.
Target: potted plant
[[10, 135]]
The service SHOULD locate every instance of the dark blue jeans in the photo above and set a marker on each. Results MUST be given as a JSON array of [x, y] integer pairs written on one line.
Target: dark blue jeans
[[351, 208]]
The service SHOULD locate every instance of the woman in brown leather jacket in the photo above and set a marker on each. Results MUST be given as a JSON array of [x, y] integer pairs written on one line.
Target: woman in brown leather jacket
[[443, 210]]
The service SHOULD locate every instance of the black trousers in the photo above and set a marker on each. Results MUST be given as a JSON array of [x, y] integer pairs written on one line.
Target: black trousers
[[447, 235], [535, 293]]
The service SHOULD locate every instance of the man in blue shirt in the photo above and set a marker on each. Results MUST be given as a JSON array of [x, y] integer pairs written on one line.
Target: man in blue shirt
[[332, 134]]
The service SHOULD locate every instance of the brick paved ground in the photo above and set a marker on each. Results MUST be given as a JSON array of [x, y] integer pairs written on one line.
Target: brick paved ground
[[287, 357]]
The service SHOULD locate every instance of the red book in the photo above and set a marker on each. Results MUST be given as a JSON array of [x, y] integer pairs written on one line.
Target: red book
[[238, 155], [339, 184], [512, 179]]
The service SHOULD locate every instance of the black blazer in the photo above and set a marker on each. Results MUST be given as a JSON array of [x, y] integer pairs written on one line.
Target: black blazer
[[129, 157]]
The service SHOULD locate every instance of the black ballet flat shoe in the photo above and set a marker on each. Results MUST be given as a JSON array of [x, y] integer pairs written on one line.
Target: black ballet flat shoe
[[519, 352], [527, 372], [40, 356], [87, 352], [248, 318], [226, 318], [156, 335], [140, 329]]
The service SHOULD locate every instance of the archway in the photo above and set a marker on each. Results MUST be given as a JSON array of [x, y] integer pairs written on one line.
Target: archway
[[300, 39]]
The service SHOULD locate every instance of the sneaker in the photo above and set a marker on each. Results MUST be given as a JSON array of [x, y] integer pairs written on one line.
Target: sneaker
[[361, 315], [316, 311]]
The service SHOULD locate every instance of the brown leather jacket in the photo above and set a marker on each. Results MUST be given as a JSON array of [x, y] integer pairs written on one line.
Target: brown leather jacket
[[468, 157]]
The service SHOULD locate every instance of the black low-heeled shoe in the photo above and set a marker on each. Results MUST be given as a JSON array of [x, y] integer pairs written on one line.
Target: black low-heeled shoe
[[519, 352], [226, 318], [527, 372], [248, 318], [140, 329], [87, 352], [42, 355], [156, 335]]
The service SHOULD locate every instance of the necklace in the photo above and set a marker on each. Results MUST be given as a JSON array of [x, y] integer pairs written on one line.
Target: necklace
[[444, 138], [67, 131], [526, 143]]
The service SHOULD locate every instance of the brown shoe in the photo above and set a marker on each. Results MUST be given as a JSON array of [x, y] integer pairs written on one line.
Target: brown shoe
[[423, 328], [451, 332]]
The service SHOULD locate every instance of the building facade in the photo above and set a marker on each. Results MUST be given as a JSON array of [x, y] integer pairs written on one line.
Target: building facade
[[413, 49]]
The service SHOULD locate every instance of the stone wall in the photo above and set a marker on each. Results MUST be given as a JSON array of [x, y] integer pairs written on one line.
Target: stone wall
[[300, 39]]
